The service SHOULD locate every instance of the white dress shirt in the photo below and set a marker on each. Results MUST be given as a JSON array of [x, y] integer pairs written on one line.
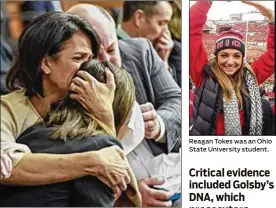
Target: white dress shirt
[[144, 164]]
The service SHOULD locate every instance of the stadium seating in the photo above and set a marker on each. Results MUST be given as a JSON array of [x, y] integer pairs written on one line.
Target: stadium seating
[[256, 39]]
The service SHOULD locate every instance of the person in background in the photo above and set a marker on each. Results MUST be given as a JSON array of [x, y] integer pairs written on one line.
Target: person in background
[[149, 19], [32, 9], [6, 61], [227, 100], [6, 50], [160, 104]]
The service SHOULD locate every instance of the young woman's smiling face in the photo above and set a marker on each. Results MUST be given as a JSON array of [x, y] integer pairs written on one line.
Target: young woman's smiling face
[[229, 60]]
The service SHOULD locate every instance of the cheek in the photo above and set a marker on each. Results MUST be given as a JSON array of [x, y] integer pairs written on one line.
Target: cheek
[[115, 59], [157, 30], [221, 62], [240, 62], [152, 32], [67, 73]]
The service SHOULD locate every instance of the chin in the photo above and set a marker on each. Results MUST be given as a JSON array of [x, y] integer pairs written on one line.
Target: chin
[[230, 72]]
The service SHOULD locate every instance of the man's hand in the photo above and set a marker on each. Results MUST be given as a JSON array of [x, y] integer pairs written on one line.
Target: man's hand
[[164, 46], [152, 197], [264, 10], [94, 96], [152, 126]]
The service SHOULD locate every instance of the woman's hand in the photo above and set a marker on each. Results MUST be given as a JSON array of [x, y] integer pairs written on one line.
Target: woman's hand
[[264, 10], [6, 166], [94, 96], [112, 168]]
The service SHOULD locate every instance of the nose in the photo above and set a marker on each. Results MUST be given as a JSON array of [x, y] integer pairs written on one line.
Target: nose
[[230, 61]]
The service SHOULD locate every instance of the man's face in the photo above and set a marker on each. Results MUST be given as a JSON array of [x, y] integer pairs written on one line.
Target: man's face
[[156, 23], [109, 50], [105, 28]]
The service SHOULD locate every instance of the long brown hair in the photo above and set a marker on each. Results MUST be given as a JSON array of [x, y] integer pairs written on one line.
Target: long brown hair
[[236, 83], [72, 120]]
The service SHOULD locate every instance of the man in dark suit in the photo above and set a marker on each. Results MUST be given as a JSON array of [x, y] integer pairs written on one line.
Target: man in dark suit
[[156, 91], [150, 19]]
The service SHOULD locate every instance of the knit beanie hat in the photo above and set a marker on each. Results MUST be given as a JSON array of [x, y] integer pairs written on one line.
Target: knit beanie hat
[[229, 38]]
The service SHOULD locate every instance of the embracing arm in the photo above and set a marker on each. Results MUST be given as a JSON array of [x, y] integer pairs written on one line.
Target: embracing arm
[[28, 168], [38, 168], [198, 56]]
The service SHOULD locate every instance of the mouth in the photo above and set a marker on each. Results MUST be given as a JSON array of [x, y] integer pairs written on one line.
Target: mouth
[[230, 67]]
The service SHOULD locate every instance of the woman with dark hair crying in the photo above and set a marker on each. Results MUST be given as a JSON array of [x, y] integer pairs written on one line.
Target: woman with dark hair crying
[[69, 128], [49, 54]]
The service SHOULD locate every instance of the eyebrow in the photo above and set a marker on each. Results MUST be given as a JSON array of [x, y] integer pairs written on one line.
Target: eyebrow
[[83, 53], [225, 53]]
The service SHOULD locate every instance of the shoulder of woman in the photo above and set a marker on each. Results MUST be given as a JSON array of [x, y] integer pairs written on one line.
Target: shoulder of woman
[[17, 111], [14, 97], [15, 102]]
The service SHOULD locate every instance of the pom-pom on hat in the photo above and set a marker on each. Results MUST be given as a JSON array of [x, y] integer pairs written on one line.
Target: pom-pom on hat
[[229, 38]]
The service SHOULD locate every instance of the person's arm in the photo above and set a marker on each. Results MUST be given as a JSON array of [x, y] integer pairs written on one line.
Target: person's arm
[[39, 169], [264, 65], [198, 57], [35, 168]]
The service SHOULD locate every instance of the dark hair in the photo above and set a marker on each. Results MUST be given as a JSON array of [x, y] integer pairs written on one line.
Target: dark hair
[[130, 7], [45, 35]]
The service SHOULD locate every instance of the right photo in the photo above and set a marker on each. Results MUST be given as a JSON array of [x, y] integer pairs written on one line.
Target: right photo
[[232, 66]]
